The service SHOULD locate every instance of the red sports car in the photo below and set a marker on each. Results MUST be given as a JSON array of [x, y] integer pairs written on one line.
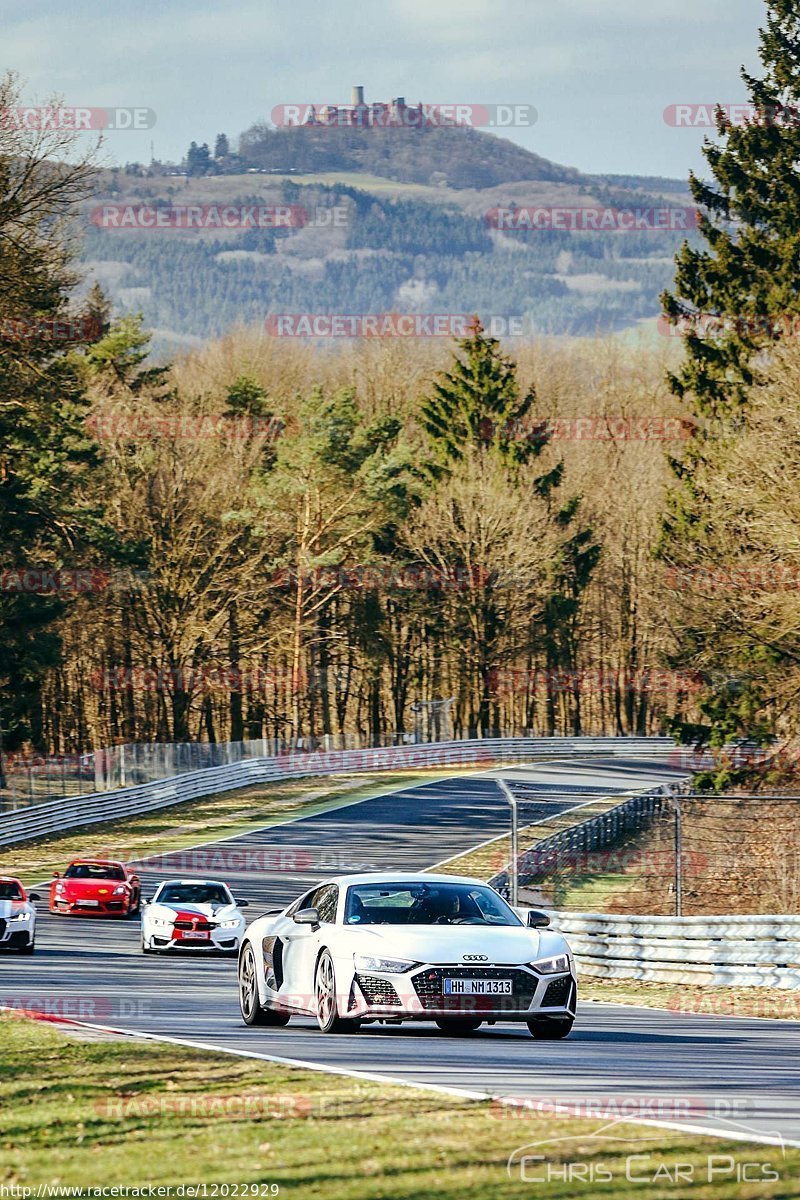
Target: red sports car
[[93, 887]]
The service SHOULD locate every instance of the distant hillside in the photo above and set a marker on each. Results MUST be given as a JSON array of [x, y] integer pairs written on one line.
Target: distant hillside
[[401, 248], [451, 157]]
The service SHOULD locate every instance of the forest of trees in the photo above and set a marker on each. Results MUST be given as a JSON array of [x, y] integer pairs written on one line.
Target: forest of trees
[[266, 538]]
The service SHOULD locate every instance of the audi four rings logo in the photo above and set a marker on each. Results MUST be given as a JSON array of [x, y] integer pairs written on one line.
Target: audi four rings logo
[[475, 957]]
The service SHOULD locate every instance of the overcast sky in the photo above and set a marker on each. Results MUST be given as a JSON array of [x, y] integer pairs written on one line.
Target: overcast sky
[[599, 72]]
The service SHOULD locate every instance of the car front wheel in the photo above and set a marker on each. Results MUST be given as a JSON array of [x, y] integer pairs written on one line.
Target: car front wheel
[[253, 1013], [328, 1017]]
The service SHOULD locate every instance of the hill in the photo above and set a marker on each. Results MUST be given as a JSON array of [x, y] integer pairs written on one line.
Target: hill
[[453, 157]]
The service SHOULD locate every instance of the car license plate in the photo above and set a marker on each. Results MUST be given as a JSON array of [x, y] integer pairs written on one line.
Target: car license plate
[[477, 987], [200, 937], [89, 903]]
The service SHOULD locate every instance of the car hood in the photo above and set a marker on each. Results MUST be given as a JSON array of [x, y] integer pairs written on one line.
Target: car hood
[[219, 912], [90, 887], [454, 943], [9, 908]]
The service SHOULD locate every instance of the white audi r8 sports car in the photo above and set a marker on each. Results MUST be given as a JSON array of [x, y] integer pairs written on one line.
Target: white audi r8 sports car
[[405, 947], [193, 914], [17, 917]]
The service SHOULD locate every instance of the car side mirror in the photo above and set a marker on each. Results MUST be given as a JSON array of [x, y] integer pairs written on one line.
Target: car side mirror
[[56, 874], [242, 903], [34, 896], [307, 916], [537, 920]]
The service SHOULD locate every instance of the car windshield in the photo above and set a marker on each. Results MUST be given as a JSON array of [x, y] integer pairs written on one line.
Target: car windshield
[[194, 893], [426, 904], [93, 871], [10, 891]]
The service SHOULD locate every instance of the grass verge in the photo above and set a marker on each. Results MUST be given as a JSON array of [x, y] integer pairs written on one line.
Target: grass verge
[[119, 1113], [720, 1001]]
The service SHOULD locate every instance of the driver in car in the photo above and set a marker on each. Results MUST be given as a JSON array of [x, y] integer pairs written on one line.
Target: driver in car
[[448, 908]]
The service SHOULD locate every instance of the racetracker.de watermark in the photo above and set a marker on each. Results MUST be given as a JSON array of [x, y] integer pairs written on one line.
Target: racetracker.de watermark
[[74, 1008], [509, 681], [590, 429], [243, 1106], [394, 324], [650, 1106], [196, 680], [77, 118], [717, 326], [715, 581], [209, 218], [181, 427], [379, 115], [379, 578], [221, 861], [594, 219], [50, 329], [739, 114], [44, 581], [770, 1004]]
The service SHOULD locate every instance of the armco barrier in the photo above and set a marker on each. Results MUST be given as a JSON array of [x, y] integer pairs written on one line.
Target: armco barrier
[[75, 811], [743, 951], [634, 812]]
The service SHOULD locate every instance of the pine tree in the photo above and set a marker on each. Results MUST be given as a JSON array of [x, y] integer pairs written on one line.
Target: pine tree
[[478, 405], [198, 159], [751, 224], [747, 275], [46, 510], [222, 146]]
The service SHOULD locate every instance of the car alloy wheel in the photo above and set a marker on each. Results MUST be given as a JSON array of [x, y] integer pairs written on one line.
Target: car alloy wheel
[[328, 1017], [252, 1011]]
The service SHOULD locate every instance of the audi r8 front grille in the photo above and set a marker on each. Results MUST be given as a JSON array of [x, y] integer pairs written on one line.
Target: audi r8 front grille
[[558, 993], [429, 986], [377, 990]]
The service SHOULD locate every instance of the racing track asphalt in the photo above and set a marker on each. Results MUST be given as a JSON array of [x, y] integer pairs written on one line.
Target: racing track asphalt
[[716, 1071]]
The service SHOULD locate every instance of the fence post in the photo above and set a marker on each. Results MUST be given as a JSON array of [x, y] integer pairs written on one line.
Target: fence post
[[513, 868], [678, 856]]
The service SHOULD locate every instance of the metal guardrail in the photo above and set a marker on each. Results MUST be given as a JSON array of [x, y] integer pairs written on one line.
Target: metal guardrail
[[76, 811], [742, 951], [634, 811]]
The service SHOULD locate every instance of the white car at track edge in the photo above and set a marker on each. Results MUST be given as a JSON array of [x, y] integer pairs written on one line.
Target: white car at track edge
[[17, 916], [193, 914], [396, 947]]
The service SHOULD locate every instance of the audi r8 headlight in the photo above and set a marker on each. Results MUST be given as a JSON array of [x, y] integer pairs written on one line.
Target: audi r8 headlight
[[230, 924], [552, 966], [389, 966], [23, 916]]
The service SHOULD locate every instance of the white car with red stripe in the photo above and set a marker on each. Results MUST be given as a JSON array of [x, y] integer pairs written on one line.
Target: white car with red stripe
[[193, 914]]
